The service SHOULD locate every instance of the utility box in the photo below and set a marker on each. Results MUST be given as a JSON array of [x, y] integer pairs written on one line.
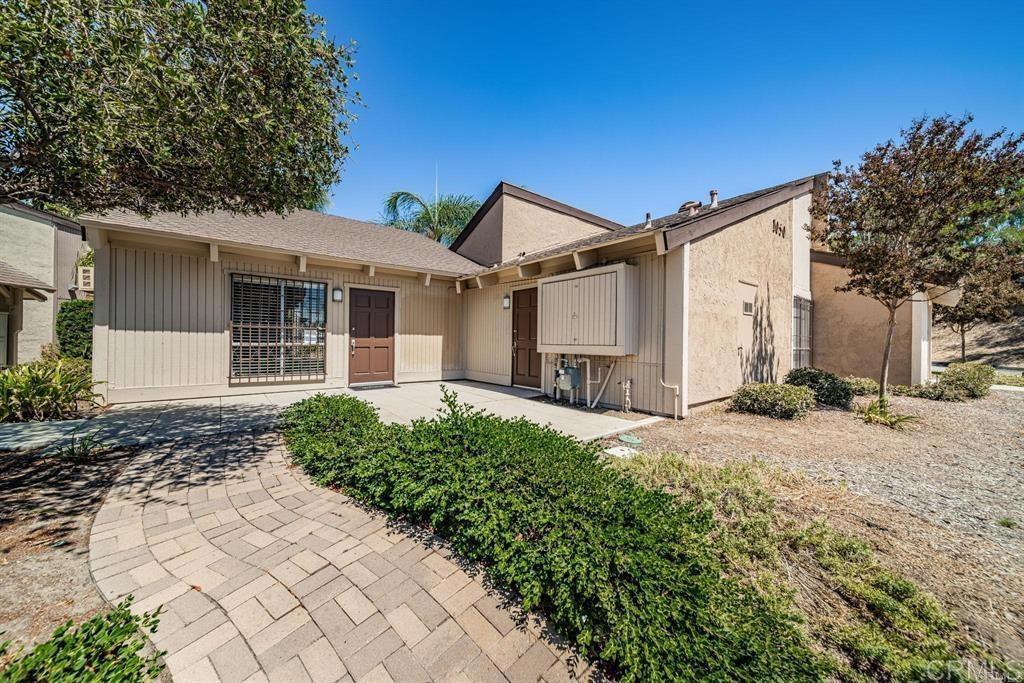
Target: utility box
[[568, 378], [590, 312]]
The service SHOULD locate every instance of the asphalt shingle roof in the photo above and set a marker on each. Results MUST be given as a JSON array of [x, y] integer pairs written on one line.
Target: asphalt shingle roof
[[303, 232], [9, 275], [671, 221]]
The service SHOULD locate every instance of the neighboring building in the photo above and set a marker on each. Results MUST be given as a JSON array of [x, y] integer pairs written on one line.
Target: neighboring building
[[17, 289], [44, 246], [664, 315]]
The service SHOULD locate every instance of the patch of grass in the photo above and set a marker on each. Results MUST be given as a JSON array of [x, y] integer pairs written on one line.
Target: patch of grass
[[81, 449], [1006, 522], [872, 623], [879, 412], [1008, 380], [628, 576]]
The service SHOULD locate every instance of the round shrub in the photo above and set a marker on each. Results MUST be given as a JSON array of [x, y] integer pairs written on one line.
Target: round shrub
[[828, 388], [74, 328], [782, 401], [862, 386], [973, 379]]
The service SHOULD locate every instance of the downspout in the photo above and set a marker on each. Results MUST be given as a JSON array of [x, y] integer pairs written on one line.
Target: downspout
[[684, 397], [661, 380]]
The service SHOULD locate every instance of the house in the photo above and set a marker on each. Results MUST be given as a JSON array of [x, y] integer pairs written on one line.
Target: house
[[659, 316], [17, 288], [46, 247]]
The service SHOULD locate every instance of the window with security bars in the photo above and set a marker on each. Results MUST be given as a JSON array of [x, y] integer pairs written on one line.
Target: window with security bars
[[802, 340], [278, 328]]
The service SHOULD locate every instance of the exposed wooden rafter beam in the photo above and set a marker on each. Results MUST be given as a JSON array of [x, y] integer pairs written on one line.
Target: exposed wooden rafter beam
[[659, 242], [458, 286], [486, 280], [584, 259], [6, 293], [370, 270], [425, 279], [301, 260], [528, 270]]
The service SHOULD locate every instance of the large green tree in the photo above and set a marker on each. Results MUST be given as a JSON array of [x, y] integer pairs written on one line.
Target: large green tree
[[170, 105], [915, 214], [440, 219]]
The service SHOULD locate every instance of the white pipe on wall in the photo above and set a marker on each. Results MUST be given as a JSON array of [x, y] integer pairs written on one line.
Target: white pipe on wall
[[604, 384], [684, 394], [661, 380]]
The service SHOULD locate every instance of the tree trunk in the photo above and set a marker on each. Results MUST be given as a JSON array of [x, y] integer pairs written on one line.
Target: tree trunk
[[883, 383], [963, 345]]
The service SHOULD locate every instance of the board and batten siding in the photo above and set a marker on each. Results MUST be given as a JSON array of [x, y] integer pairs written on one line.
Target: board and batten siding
[[489, 340], [162, 321]]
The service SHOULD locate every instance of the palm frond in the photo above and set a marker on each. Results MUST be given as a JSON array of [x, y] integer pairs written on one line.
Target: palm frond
[[441, 220]]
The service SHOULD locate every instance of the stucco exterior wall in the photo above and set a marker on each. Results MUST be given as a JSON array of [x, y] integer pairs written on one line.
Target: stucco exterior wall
[[849, 330], [753, 253], [29, 245], [162, 323], [514, 226], [483, 245]]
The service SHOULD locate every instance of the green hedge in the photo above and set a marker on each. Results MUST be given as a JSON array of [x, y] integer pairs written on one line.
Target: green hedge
[[936, 391], [828, 389], [74, 328], [623, 572], [862, 386], [973, 379], [781, 401], [108, 647]]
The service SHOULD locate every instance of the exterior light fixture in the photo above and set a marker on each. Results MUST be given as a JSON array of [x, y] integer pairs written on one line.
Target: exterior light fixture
[[506, 301], [337, 294]]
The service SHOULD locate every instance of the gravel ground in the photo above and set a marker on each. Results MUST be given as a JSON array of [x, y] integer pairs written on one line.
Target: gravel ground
[[930, 499], [46, 511]]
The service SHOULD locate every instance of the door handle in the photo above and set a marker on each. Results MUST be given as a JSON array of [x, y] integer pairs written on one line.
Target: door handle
[[353, 345]]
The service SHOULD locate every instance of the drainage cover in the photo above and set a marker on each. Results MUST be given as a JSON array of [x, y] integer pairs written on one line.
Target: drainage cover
[[620, 451], [630, 439]]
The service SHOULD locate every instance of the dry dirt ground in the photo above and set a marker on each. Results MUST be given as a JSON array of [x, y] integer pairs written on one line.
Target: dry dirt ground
[[46, 511], [928, 499], [995, 344]]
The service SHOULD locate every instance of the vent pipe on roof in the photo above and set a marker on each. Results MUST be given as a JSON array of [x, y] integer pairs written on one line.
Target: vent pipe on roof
[[714, 199], [690, 208], [647, 223]]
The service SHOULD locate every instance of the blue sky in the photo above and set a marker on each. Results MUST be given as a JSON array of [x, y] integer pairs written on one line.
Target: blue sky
[[623, 108]]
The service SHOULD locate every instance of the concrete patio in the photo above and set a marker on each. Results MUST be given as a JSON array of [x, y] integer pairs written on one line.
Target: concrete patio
[[157, 422]]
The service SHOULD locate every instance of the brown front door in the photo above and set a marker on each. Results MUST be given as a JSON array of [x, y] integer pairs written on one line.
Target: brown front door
[[525, 359], [371, 318]]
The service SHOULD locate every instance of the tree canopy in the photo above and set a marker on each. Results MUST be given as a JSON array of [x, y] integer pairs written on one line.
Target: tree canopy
[[170, 105], [918, 212], [441, 219]]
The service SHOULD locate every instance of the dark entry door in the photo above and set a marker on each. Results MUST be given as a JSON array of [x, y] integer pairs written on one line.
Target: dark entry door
[[371, 318], [525, 359]]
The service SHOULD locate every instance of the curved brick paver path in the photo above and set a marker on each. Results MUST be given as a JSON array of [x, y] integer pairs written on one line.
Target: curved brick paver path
[[264, 576]]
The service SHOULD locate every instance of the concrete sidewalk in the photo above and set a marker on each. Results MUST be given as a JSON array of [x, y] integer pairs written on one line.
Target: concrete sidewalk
[[133, 424]]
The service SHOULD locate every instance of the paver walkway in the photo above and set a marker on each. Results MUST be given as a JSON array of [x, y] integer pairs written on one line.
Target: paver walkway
[[264, 576]]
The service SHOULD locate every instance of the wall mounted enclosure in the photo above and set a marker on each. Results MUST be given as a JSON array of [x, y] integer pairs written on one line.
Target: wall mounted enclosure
[[590, 312]]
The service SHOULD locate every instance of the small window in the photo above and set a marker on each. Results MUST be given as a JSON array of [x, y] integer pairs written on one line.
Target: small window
[[748, 308], [802, 339]]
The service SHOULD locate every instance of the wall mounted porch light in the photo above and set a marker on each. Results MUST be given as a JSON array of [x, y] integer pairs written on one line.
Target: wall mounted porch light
[[337, 294], [506, 301]]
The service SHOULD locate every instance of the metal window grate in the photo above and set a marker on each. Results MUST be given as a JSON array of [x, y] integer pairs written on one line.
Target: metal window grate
[[278, 329], [802, 339]]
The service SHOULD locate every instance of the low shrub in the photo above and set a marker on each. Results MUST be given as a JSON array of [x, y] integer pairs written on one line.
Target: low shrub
[[81, 449], [108, 647], [47, 389], [973, 379], [74, 328], [828, 389], [879, 412], [936, 391], [781, 401], [862, 386], [623, 572]]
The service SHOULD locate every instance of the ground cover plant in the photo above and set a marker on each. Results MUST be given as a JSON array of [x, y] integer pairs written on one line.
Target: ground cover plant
[[51, 388], [1008, 380], [650, 598], [781, 401], [973, 379], [873, 623], [828, 389], [935, 391], [108, 647]]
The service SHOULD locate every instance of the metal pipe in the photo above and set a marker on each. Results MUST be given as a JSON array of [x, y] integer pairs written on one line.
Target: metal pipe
[[673, 387], [587, 361], [600, 392]]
